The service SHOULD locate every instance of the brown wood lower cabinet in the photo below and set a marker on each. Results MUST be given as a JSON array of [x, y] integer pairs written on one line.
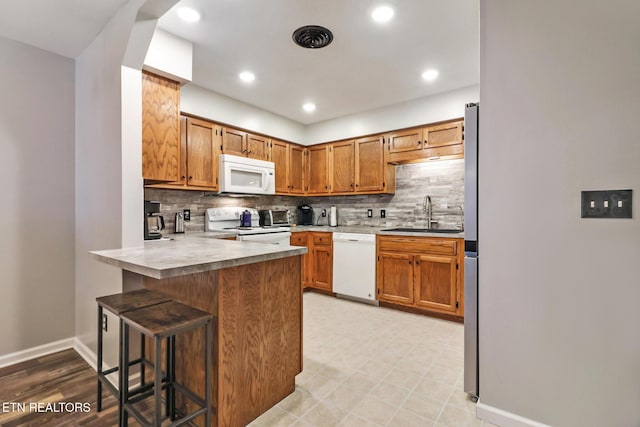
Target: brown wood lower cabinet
[[302, 239], [317, 271], [421, 272]]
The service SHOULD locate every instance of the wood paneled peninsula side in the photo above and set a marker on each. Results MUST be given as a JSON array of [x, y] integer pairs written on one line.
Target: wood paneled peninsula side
[[253, 291]]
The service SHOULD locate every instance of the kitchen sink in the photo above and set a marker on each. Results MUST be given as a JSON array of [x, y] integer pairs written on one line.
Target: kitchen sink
[[425, 230]]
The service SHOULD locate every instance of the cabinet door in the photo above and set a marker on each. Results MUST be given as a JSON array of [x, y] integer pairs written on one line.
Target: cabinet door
[[342, 167], [443, 135], [160, 129], [296, 169], [395, 277], [202, 155], [322, 267], [257, 147], [369, 164], [407, 140], [435, 283], [318, 158], [302, 239], [279, 156], [234, 142]]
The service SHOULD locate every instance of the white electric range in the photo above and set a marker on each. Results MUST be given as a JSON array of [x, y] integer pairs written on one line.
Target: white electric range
[[228, 219]]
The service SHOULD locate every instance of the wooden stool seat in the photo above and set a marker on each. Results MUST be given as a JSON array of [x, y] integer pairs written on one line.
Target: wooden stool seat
[[128, 301], [165, 321]]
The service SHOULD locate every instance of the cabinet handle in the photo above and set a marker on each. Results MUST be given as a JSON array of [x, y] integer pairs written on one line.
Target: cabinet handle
[[326, 187], [417, 262], [409, 262], [190, 177], [357, 185], [182, 177], [419, 142], [249, 151], [351, 185]]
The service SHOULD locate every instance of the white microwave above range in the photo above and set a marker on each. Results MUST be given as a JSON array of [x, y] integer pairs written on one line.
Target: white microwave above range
[[246, 176]]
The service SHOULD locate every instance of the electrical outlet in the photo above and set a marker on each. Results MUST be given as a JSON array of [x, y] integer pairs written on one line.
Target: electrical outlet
[[369, 213], [324, 213], [104, 322], [186, 213], [383, 213]]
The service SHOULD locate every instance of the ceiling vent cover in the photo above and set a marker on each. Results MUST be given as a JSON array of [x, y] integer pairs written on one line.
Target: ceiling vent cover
[[312, 36]]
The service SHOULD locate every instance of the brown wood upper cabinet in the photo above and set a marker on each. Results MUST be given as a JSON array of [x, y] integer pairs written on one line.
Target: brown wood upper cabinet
[[202, 154], [240, 143], [438, 141], [318, 169], [160, 128], [342, 167], [373, 173], [289, 167], [199, 154], [359, 166], [421, 272]]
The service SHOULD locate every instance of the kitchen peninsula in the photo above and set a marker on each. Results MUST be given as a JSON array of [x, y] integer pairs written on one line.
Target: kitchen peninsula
[[253, 291]]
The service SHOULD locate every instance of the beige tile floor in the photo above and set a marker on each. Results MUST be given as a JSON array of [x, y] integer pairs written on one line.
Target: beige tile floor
[[371, 366]]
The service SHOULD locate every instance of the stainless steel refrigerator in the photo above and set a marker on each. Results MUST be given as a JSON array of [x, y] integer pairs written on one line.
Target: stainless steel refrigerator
[[471, 258]]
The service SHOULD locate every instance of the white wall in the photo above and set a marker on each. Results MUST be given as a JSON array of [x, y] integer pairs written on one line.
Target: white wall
[[37, 213], [100, 186], [559, 295], [435, 108], [214, 106]]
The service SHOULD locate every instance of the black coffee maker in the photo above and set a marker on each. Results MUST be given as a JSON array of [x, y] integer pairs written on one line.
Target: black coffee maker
[[153, 221], [305, 214]]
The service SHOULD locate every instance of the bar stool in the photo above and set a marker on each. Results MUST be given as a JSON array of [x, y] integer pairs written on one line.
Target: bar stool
[[119, 304], [163, 322]]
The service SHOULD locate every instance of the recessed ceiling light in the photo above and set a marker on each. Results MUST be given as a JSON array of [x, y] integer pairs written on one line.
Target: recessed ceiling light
[[309, 107], [430, 75], [247, 76], [188, 14], [382, 14]]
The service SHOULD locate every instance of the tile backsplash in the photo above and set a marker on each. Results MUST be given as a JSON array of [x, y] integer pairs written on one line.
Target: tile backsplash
[[442, 180]]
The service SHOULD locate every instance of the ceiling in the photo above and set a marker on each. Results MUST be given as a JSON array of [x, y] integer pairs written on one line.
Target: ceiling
[[368, 65], [65, 27]]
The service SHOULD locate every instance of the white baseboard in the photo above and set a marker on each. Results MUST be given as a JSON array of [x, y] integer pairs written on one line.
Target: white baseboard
[[92, 359], [38, 351], [504, 418], [86, 353]]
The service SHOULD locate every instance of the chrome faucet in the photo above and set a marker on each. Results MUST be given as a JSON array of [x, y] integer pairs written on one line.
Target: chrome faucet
[[427, 207]]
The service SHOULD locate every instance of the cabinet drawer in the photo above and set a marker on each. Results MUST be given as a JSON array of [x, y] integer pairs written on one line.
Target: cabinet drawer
[[298, 239], [417, 244], [322, 239]]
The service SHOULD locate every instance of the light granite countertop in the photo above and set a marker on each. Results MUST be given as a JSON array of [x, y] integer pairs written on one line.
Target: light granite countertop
[[191, 253], [363, 229]]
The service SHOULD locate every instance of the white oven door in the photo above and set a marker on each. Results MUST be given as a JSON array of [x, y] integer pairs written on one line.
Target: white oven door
[[273, 238]]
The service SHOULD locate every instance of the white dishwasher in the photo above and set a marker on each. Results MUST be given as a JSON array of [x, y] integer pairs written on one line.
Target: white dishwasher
[[354, 266]]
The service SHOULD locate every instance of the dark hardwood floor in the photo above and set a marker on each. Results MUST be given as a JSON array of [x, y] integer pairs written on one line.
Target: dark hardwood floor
[[58, 377]]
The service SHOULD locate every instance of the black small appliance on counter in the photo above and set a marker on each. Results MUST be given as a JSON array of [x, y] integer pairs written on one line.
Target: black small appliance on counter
[[153, 222], [305, 214]]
